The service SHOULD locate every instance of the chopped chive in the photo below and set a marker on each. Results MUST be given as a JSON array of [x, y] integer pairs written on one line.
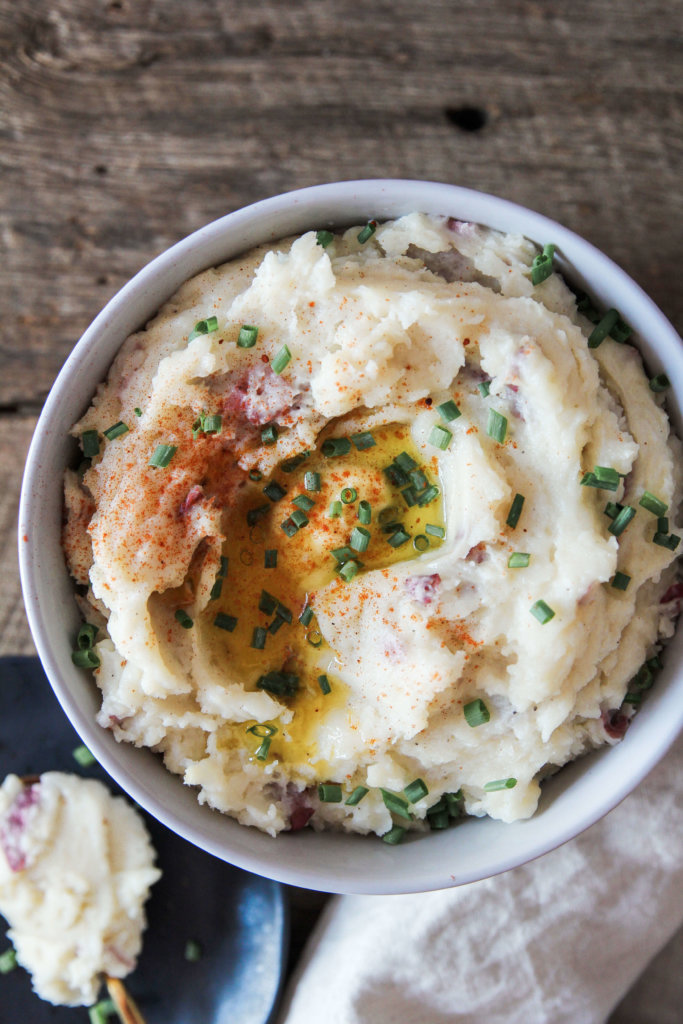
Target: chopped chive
[[363, 440], [418, 479], [448, 411], [396, 804], [264, 747], [204, 327], [621, 331], [314, 638], [90, 442], [435, 531], [359, 539], [85, 638], [497, 426], [274, 491], [312, 481], [262, 729], [621, 520], [585, 306], [428, 495], [394, 836], [653, 504], [620, 581], [267, 603], [137, 410], [612, 509], [223, 568], [289, 465], [663, 524], [281, 360], [438, 819], [415, 791], [542, 265], [101, 1012], [349, 570], [541, 611], [275, 625], [601, 330], [269, 434], [304, 502], [86, 659], [324, 684], [163, 453], [283, 612], [226, 622], [280, 684], [660, 382], [440, 437], [324, 238], [258, 638], [357, 795], [667, 540], [454, 802], [365, 512], [348, 495], [334, 446], [335, 510], [484, 388], [330, 793], [299, 518], [603, 477], [398, 537], [83, 756], [255, 474], [642, 680], [306, 616], [476, 713], [256, 514], [270, 558], [515, 510], [247, 336], [519, 560], [342, 554], [183, 618], [193, 951], [212, 424], [420, 543], [111, 433], [367, 232], [491, 787], [409, 496], [387, 514], [405, 462], [8, 961]]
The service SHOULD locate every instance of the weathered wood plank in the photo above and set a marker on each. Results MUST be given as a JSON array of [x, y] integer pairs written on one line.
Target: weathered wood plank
[[15, 436], [126, 126]]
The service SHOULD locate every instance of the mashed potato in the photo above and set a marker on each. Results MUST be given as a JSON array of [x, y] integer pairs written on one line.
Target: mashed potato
[[369, 543], [76, 865]]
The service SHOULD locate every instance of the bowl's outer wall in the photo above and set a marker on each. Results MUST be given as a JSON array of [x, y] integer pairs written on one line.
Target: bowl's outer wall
[[573, 800]]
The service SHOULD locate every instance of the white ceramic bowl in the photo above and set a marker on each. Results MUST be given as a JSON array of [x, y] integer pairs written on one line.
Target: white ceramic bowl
[[579, 795]]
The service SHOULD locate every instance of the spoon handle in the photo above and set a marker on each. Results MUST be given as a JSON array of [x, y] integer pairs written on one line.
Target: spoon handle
[[127, 1010]]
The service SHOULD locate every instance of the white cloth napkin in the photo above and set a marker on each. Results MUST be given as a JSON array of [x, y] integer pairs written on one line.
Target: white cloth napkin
[[557, 941]]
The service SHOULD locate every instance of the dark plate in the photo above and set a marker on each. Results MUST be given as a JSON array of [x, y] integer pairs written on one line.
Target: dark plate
[[239, 919]]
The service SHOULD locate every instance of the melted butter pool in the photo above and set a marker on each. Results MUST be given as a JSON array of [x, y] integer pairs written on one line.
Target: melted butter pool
[[304, 564]]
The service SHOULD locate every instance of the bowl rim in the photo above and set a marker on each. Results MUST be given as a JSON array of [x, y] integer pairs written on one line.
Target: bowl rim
[[589, 268]]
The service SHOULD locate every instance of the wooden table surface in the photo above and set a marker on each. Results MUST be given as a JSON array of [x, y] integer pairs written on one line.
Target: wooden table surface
[[127, 124]]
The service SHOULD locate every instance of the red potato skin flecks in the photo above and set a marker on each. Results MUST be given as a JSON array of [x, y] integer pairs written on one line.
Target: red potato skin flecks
[[615, 723], [14, 824], [423, 589]]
